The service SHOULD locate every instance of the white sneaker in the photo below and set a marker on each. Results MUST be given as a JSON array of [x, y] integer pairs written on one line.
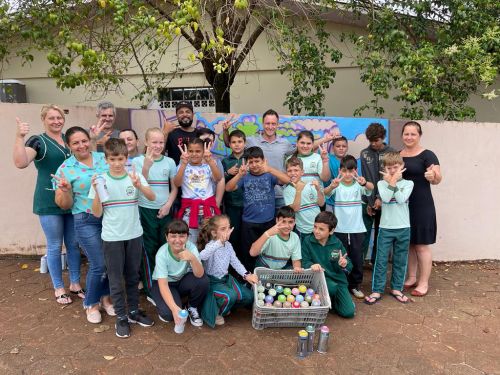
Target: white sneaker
[[194, 317], [163, 320], [357, 293], [151, 300], [110, 310], [219, 320]]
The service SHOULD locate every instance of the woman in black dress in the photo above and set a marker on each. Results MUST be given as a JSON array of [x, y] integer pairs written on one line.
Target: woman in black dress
[[422, 167]]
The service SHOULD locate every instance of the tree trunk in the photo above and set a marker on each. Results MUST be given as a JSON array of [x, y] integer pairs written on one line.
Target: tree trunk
[[222, 89]]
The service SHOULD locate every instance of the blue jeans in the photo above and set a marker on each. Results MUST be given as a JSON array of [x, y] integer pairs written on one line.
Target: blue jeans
[[88, 232], [57, 228]]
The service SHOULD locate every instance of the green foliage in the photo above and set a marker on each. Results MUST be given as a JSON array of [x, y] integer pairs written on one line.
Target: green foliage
[[429, 55], [305, 60]]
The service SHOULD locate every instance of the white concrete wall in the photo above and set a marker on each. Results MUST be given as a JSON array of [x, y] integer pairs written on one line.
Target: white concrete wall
[[466, 202]]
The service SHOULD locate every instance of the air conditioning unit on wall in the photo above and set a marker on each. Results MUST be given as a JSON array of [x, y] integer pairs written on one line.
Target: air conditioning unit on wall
[[12, 91]]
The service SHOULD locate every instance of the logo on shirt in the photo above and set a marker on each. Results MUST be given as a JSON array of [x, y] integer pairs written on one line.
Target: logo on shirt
[[130, 191], [165, 173], [313, 165]]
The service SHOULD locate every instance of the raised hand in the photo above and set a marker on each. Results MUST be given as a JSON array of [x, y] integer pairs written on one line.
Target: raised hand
[[169, 127], [207, 154], [360, 179], [386, 176], [243, 169], [185, 255], [136, 181], [323, 153], [399, 173], [342, 260], [96, 130], [61, 182], [277, 228], [430, 173], [226, 124], [23, 128], [316, 185], [223, 237], [184, 154], [336, 181], [148, 158], [299, 185], [233, 170]]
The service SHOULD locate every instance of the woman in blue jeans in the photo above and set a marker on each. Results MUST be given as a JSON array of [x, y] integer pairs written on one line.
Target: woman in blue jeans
[[73, 184], [47, 151]]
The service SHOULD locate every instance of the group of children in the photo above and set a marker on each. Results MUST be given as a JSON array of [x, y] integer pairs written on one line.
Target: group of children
[[187, 259]]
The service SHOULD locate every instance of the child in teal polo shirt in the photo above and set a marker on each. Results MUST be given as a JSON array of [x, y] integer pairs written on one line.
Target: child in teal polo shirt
[[394, 230]]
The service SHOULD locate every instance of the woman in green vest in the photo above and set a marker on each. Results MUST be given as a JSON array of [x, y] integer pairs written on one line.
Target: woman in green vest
[[48, 151]]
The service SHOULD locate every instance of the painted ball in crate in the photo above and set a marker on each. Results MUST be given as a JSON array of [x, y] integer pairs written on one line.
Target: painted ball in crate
[[304, 304], [295, 291], [269, 299], [308, 298], [260, 288], [279, 289], [302, 288], [296, 305], [287, 304], [277, 304], [260, 303], [316, 296], [261, 296], [316, 302], [272, 292], [287, 291], [268, 285], [282, 298], [299, 298], [310, 292], [268, 304], [290, 298]]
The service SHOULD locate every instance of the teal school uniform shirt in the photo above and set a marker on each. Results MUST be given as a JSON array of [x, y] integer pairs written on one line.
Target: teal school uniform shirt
[[160, 175], [120, 220], [277, 251], [169, 267], [309, 209], [348, 207], [395, 211]]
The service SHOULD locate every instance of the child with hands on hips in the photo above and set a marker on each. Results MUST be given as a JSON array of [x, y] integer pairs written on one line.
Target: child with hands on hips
[[197, 175], [217, 254], [279, 247], [179, 273]]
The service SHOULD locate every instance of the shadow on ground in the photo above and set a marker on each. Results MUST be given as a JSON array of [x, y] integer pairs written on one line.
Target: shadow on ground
[[455, 329]]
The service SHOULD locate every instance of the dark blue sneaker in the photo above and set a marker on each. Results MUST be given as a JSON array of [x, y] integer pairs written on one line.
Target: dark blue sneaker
[[139, 317], [122, 327]]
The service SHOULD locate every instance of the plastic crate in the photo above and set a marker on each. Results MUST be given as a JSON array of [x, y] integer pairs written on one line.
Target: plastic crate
[[266, 317]]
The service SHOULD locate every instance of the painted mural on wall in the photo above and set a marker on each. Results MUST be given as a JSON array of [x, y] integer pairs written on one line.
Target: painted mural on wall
[[289, 126]]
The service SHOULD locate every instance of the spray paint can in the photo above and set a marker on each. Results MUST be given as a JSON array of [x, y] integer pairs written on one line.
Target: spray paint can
[[324, 335], [43, 264], [302, 344], [310, 338], [101, 188]]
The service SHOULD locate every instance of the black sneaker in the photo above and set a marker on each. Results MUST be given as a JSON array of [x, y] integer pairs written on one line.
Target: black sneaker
[[122, 328], [194, 317], [139, 317]]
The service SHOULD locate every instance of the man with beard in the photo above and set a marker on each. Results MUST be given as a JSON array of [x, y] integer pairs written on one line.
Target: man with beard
[[106, 115], [181, 134]]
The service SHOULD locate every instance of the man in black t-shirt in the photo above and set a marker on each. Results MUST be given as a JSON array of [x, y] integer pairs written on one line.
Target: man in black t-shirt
[[181, 134]]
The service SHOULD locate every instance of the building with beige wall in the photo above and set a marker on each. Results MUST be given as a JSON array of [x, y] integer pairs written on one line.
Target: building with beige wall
[[258, 86]]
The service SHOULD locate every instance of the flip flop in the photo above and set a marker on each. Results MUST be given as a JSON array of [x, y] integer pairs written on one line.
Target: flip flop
[[60, 299], [80, 293], [417, 293], [374, 298], [399, 298]]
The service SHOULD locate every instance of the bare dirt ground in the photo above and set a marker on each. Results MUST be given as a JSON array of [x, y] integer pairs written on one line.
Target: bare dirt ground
[[455, 329]]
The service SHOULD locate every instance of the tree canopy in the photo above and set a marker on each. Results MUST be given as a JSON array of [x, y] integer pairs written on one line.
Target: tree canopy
[[428, 55]]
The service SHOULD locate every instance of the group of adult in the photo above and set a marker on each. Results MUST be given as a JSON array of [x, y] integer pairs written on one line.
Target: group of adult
[[65, 214]]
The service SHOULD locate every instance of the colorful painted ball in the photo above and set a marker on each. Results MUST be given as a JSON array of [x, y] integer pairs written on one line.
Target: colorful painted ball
[[299, 298], [260, 303], [282, 298], [316, 302], [272, 292], [268, 304], [304, 304], [261, 296], [277, 304], [290, 298], [279, 289], [296, 305], [260, 288], [287, 291], [310, 292], [287, 304], [268, 285], [308, 298], [316, 296], [269, 299], [295, 291], [302, 288]]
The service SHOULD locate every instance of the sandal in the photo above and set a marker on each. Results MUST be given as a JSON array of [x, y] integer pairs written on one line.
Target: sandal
[[64, 299], [401, 298], [80, 293], [372, 297]]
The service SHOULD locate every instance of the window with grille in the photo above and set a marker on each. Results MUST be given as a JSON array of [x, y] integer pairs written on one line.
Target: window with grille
[[202, 98]]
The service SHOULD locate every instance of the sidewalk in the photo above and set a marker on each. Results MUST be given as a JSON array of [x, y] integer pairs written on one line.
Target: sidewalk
[[455, 330]]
